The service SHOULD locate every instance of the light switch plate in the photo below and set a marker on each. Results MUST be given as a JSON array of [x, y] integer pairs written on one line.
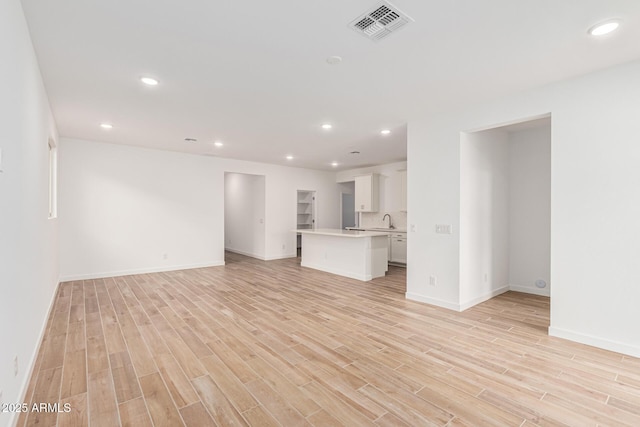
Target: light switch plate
[[443, 228]]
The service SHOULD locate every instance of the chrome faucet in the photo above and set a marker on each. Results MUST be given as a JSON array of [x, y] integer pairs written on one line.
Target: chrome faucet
[[387, 215]]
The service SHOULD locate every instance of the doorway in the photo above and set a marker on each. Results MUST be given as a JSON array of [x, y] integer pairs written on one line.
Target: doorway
[[348, 209], [244, 214], [505, 211], [348, 216]]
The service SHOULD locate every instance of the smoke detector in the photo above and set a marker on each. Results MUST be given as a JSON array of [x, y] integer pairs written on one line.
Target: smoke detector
[[380, 21]]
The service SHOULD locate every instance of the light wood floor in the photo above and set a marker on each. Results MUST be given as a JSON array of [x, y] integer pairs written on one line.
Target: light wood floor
[[270, 343]]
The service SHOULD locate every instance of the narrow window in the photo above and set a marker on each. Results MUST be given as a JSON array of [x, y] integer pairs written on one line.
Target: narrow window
[[53, 179]]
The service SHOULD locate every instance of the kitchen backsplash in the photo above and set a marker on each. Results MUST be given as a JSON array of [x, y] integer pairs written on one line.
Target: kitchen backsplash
[[374, 220]]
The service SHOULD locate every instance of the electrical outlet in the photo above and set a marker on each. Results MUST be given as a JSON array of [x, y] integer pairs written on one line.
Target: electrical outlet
[[432, 280], [284, 247], [413, 228], [15, 366], [485, 277], [165, 256]]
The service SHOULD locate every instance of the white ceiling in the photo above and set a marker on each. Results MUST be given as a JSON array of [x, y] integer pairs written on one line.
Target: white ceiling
[[253, 73]]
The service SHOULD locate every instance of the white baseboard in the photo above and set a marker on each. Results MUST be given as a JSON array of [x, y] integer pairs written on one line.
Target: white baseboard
[[261, 257], [158, 269], [454, 306], [529, 290], [591, 340], [272, 258], [433, 301], [349, 274], [249, 254], [32, 362], [482, 298], [475, 301]]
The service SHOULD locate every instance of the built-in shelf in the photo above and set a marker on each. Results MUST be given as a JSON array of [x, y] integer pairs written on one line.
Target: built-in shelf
[[306, 211]]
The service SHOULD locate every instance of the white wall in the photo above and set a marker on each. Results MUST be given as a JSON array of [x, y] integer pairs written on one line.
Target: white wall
[[595, 204], [348, 187], [484, 215], [123, 207], [530, 209], [28, 239], [244, 209], [125, 210]]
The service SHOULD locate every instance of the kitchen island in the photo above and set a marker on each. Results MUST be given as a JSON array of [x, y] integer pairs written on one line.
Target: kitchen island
[[360, 255]]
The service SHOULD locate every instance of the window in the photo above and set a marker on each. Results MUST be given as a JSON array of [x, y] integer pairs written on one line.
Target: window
[[53, 179]]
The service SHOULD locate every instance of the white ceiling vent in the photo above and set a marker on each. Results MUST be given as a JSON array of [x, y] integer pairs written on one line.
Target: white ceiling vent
[[380, 21]]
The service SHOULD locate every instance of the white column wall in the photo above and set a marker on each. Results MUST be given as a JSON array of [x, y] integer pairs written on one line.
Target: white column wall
[[433, 197], [484, 216]]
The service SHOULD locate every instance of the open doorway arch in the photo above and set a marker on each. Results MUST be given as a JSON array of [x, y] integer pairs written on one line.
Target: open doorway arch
[[505, 210], [244, 214]]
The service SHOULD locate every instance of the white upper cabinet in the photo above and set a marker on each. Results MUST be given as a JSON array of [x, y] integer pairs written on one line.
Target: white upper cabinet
[[403, 191], [367, 193]]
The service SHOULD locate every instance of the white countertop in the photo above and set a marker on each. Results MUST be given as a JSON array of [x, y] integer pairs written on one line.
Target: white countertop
[[383, 230], [343, 233]]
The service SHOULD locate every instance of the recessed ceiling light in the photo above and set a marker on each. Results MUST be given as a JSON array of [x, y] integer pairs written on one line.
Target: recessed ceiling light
[[289, 157], [149, 81], [385, 131], [106, 126], [334, 164], [327, 126], [218, 144], [334, 60], [604, 28]]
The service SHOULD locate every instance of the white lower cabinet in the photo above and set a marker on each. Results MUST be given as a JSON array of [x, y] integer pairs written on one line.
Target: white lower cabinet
[[398, 248]]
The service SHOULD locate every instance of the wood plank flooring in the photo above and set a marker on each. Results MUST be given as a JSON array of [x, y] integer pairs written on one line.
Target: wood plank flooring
[[273, 344]]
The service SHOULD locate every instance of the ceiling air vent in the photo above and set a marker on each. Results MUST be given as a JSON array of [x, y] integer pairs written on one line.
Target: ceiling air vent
[[380, 21]]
